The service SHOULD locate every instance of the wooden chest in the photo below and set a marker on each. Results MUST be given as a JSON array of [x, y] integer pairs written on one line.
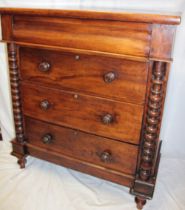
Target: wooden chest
[[88, 90]]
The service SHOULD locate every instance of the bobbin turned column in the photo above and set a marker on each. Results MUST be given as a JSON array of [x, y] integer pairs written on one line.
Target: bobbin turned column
[[18, 142], [144, 183]]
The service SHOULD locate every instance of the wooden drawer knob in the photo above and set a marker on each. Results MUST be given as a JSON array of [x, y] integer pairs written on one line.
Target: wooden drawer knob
[[77, 57], [109, 77], [44, 66], [47, 138], [107, 119], [45, 105], [106, 156]]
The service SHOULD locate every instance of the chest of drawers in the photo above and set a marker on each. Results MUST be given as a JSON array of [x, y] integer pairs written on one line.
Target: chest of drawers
[[88, 90]]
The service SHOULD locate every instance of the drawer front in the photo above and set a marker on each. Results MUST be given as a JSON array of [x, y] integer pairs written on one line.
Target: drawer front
[[108, 77], [104, 36], [86, 147], [91, 114]]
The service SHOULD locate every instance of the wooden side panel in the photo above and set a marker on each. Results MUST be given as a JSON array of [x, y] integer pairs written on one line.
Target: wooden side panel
[[89, 74], [91, 114], [6, 24], [162, 41], [105, 36]]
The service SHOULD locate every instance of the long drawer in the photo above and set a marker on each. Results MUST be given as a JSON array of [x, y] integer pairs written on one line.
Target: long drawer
[[116, 37], [115, 78], [103, 117], [86, 147]]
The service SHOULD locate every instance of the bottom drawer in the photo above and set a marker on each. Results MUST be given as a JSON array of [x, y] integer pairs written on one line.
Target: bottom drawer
[[94, 149]]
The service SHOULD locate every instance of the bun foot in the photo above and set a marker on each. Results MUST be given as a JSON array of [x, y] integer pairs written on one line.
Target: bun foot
[[22, 162], [140, 202]]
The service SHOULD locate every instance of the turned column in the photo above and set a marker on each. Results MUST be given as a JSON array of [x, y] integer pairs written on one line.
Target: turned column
[[18, 143], [145, 180], [152, 121]]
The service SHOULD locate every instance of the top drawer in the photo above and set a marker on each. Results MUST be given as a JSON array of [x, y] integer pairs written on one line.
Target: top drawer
[[103, 35], [101, 76]]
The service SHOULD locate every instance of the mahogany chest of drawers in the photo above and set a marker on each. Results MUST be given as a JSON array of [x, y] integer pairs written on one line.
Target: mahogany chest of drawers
[[88, 90]]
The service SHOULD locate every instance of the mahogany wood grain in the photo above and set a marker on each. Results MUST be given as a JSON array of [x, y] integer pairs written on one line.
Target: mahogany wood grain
[[85, 73], [162, 41], [83, 112], [85, 94], [81, 51], [6, 23], [97, 14], [79, 165], [83, 146], [125, 38]]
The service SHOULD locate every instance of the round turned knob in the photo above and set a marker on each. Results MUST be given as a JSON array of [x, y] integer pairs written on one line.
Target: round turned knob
[[106, 156], [47, 138], [44, 66], [77, 57], [76, 96], [109, 77], [45, 105], [107, 119]]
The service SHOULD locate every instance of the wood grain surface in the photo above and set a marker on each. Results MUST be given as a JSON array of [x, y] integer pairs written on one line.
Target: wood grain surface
[[83, 146], [83, 112], [89, 74]]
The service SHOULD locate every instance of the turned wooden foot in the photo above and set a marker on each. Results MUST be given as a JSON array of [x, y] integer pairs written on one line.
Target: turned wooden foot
[[140, 202], [22, 162]]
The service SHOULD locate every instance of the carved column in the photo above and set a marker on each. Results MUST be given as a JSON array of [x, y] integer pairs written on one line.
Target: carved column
[[144, 184], [152, 121], [14, 81], [18, 143]]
